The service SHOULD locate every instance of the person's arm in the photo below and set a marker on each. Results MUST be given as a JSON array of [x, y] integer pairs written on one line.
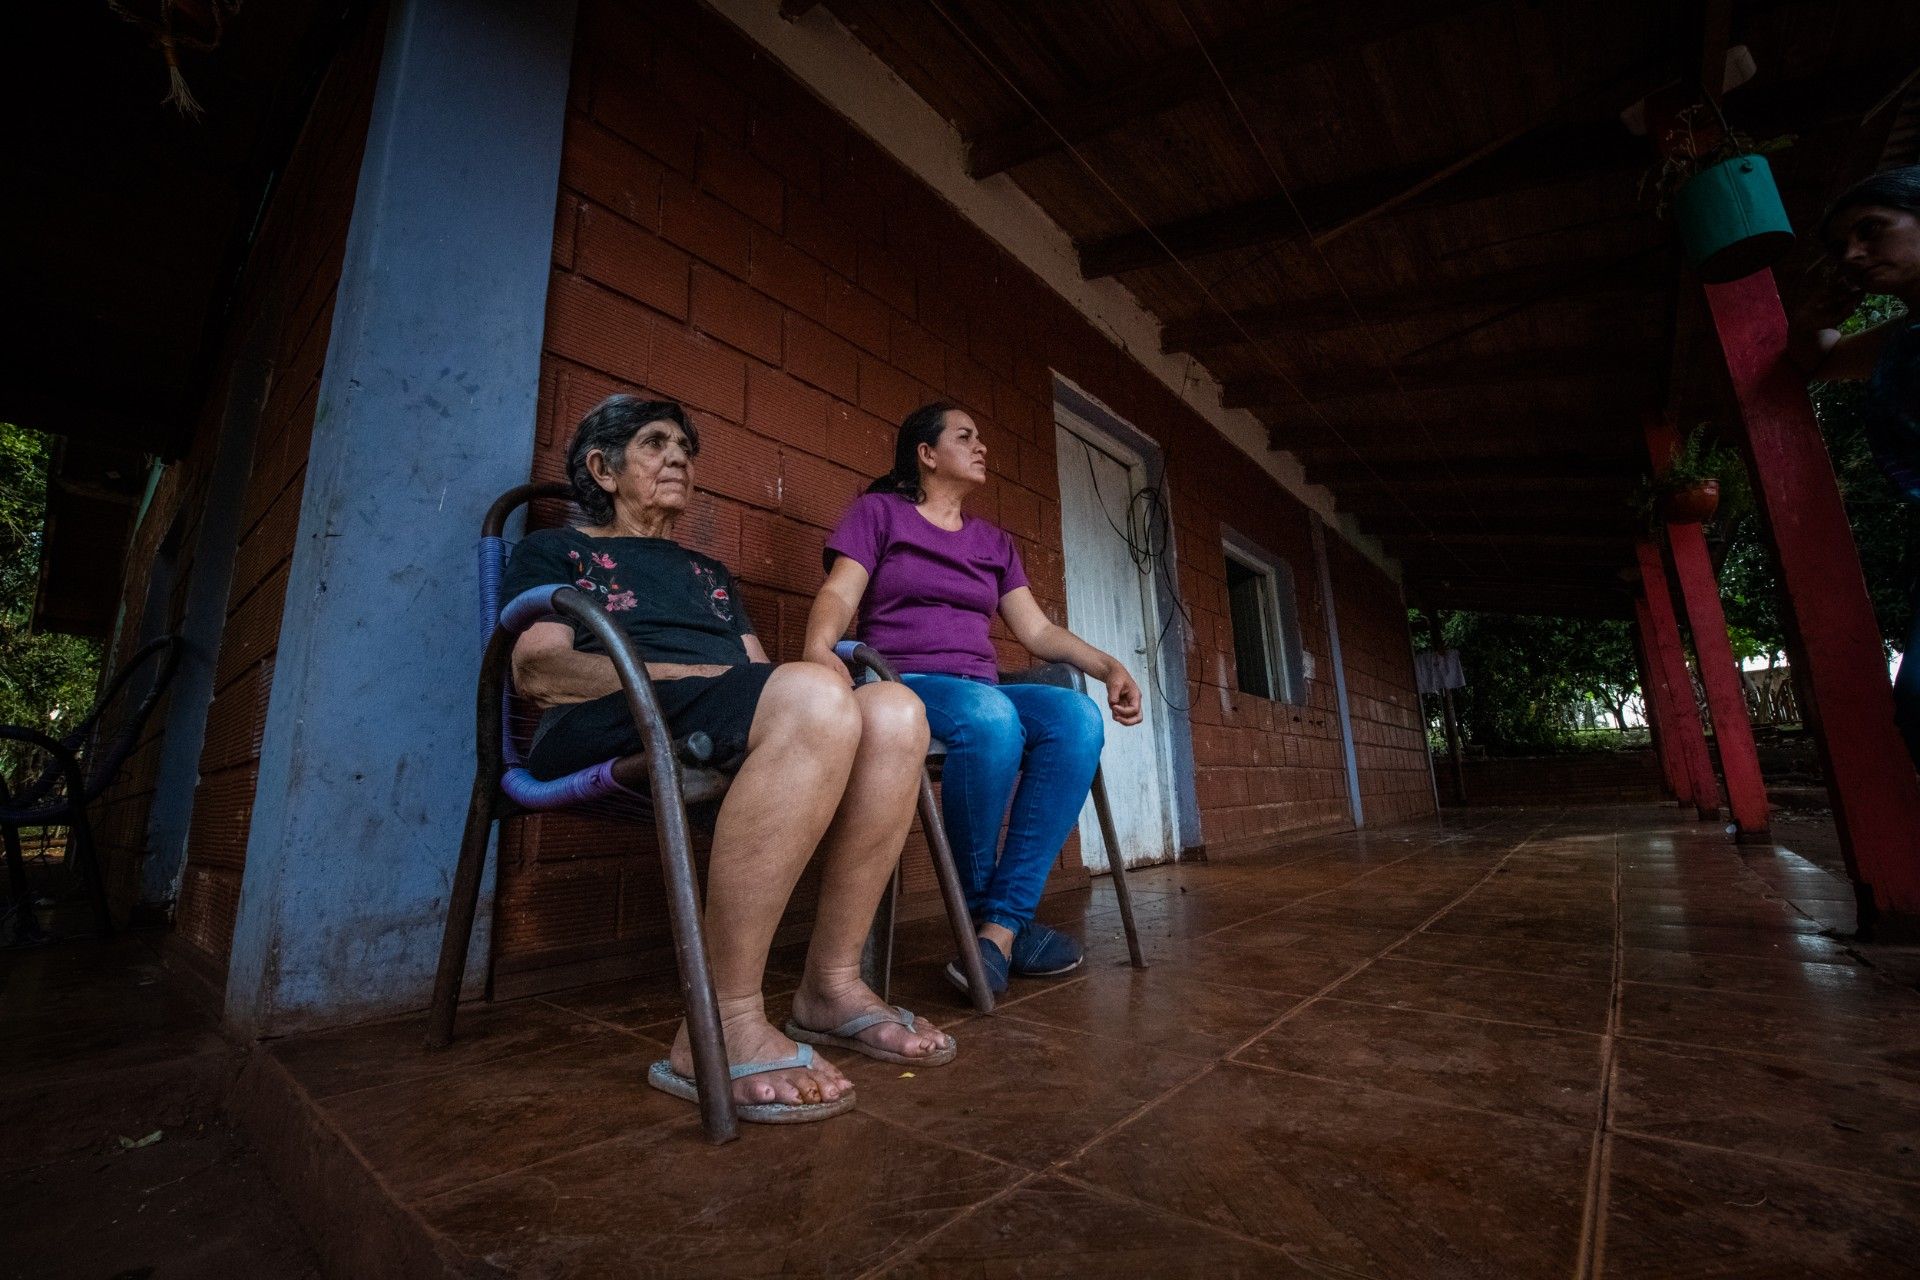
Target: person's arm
[[1051, 642], [1817, 347], [833, 609], [551, 672]]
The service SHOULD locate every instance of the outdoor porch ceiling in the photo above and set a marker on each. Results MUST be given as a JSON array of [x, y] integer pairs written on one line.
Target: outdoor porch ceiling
[[1410, 237]]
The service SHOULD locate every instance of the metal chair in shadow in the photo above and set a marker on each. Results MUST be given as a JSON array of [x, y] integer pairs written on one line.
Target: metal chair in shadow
[[879, 966], [79, 768], [658, 785]]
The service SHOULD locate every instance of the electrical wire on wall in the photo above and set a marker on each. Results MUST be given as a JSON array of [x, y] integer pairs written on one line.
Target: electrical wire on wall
[[1147, 538]]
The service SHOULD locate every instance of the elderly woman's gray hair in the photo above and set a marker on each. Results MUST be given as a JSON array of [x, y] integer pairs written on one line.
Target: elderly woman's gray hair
[[608, 427]]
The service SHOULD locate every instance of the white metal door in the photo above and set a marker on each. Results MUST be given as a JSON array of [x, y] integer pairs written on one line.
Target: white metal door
[[1109, 603]]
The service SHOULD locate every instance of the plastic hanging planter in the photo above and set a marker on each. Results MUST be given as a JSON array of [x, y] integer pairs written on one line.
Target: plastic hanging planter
[[1731, 219]]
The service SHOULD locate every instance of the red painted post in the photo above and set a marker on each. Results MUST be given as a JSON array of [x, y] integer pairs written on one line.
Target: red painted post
[[1670, 659], [1870, 778], [1653, 695], [1713, 655], [1720, 676]]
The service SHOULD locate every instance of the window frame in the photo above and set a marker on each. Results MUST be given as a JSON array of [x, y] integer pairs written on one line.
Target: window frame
[[1279, 611]]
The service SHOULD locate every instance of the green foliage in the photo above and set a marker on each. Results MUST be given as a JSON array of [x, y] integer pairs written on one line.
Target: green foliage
[[45, 680], [1534, 684], [1886, 529]]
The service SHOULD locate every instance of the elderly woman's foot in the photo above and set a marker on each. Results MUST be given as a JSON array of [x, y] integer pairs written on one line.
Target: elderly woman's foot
[[821, 1006], [751, 1038]]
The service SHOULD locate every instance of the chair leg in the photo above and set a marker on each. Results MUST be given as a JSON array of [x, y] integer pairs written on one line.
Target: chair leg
[[876, 958], [463, 899], [955, 897], [710, 1073], [86, 864], [26, 927], [1116, 866]]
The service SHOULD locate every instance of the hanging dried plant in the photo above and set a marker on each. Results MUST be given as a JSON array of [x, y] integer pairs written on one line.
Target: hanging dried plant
[[174, 25]]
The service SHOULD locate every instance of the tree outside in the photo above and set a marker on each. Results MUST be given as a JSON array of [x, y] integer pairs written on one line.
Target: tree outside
[[1534, 684], [46, 681]]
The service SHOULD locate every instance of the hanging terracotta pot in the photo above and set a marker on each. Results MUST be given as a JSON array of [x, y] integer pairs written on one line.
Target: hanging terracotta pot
[[1731, 220], [1694, 504]]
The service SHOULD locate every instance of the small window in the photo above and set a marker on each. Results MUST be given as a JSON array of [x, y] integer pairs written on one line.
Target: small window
[[1266, 639]]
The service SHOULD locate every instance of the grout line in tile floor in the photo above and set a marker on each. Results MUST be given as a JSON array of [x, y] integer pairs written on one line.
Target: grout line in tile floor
[[1812, 1166], [1362, 964], [1445, 1104], [1593, 1214]]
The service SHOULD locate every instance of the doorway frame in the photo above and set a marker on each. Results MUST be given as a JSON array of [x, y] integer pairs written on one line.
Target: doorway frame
[[1146, 462]]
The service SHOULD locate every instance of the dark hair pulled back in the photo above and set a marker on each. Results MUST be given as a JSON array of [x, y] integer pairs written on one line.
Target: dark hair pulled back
[[609, 426], [1890, 189], [922, 426]]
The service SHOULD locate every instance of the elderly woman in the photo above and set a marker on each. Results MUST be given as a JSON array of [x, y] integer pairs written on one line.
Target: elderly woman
[[927, 580], [816, 763], [1872, 236]]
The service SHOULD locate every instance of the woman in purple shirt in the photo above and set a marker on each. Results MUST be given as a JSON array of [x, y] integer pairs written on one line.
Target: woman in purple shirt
[[927, 579]]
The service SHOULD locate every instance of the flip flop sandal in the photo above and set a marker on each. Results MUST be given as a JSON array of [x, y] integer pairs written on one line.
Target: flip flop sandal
[[842, 1037], [663, 1077]]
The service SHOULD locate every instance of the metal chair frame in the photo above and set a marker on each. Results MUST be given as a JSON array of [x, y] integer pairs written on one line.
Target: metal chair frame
[[666, 777], [880, 944], [78, 772]]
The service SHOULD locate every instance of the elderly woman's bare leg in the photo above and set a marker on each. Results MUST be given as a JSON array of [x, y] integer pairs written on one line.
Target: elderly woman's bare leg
[[800, 750], [858, 857]]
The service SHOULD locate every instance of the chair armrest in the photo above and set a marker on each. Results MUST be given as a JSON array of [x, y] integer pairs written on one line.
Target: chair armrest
[[857, 655], [541, 603], [25, 808]]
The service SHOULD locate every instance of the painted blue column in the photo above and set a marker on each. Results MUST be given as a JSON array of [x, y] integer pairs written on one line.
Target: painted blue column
[[1354, 803], [425, 414]]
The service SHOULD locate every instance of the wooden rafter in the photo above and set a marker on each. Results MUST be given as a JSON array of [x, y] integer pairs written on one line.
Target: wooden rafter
[[1304, 34], [1553, 153], [1543, 158], [1560, 281], [1506, 369]]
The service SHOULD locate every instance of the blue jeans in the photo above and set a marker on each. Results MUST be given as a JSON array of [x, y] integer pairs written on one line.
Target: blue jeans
[[1047, 739], [1906, 685]]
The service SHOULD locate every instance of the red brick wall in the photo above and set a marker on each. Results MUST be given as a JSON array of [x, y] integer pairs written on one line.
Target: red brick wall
[[725, 240], [292, 274], [1389, 728]]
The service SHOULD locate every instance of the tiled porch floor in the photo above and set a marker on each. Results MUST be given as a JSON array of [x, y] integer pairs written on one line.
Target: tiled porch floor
[[1586, 1042]]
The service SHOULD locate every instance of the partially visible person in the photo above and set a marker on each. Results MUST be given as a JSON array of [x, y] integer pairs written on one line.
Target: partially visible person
[[815, 763], [1872, 233], [927, 580]]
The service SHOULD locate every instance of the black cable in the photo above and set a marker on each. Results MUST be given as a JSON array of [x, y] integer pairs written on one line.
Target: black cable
[[1147, 535]]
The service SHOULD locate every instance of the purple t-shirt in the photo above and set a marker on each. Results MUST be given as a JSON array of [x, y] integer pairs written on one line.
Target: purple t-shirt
[[931, 592]]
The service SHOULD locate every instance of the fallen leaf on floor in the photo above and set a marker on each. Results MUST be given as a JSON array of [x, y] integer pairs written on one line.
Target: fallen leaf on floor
[[129, 1144], [906, 1075]]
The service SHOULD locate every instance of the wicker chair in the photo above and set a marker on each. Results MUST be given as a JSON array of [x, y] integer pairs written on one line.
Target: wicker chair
[[79, 769], [657, 785], [1059, 674]]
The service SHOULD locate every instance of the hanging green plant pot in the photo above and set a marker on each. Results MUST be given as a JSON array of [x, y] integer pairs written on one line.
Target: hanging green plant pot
[[1731, 219]]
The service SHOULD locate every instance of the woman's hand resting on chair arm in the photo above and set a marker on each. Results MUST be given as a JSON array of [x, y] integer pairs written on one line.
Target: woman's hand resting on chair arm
[[1050, 642], [832, 612], [551, 672]]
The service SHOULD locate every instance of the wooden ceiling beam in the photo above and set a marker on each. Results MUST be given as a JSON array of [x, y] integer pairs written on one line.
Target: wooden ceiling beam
[[1348, 473], [1542, 158], [1610, 528], [1554, 281], [1304, 34], [1553, 153], [1505, 369]]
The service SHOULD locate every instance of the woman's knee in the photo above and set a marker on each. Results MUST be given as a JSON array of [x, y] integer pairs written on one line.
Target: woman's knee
[[892, 717], [986, 723], [1073, 719], [805, 697]]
